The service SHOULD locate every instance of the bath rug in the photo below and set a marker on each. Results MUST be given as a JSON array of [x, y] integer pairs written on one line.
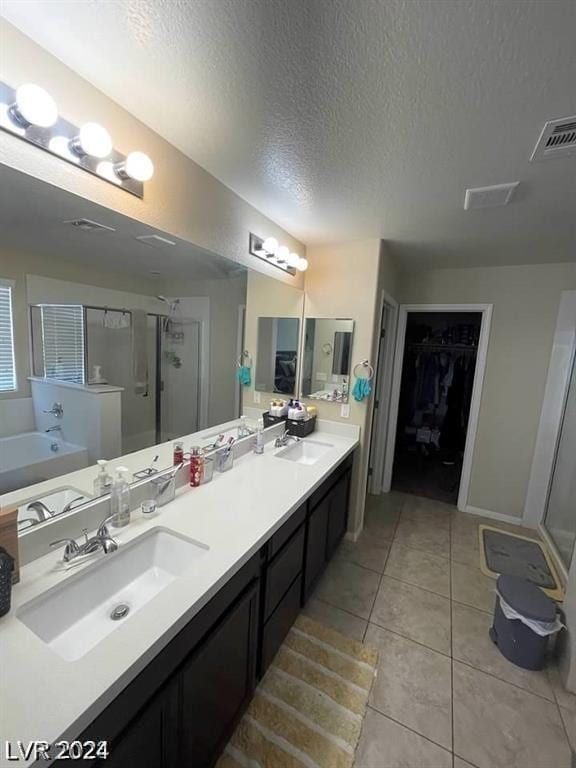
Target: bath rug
[[504, 552], [308, 709]]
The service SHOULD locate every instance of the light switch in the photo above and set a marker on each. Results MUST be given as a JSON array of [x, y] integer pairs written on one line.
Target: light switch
[[256, 396], [345, 410]]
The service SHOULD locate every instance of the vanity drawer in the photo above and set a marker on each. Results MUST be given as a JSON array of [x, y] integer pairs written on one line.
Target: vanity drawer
[[278, 625], [283, 534], [283, 570]]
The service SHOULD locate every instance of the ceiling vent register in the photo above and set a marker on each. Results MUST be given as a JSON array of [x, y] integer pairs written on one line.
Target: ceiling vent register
[[558, 139]]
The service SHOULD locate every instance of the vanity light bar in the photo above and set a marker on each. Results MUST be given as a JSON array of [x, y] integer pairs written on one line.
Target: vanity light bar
[[30, 113], [272, 252]]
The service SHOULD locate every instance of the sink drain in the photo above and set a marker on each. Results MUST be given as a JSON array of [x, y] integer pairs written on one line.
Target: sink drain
[[120, 612]]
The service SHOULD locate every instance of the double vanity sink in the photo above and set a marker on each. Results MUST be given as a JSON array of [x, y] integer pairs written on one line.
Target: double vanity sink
[[75, 616]]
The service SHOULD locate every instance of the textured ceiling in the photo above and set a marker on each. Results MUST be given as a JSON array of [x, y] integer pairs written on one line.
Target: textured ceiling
[[345, 119]]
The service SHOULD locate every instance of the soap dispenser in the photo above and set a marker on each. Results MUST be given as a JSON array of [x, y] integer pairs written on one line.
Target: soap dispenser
[[103, 480], [120, 499]]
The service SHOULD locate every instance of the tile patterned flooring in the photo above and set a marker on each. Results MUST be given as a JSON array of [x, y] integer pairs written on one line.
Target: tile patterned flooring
[[444, 696]]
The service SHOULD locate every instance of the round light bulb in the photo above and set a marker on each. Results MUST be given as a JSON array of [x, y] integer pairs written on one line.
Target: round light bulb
[[35, 106], [282, 253], [302, 265], [94, 140], [270, 245], [293, 260], [139, 166]]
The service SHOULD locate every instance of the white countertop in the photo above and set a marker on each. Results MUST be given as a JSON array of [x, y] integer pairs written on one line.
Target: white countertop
[[45, 697]]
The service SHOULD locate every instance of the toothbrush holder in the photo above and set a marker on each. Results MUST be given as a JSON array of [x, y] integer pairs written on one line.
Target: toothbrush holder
[[224, 459], [208, 470]]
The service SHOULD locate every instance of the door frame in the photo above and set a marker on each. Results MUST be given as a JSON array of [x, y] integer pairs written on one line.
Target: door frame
[[382, 395], [486, 321]]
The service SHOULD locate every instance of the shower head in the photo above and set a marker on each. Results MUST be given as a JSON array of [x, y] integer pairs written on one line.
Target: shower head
[[163, 298]]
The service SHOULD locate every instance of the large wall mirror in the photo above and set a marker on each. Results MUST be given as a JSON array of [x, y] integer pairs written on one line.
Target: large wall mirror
[[277, 355], [327, 357], [116, 342]]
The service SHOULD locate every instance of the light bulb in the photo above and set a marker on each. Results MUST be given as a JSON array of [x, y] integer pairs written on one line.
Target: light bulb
[[302, 265], [93, 140], [270, 245], [138, 166], [293, 260], [34, 106], [282, 253]]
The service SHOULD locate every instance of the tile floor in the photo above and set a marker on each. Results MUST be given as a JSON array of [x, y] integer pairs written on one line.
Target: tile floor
[[444, 696]]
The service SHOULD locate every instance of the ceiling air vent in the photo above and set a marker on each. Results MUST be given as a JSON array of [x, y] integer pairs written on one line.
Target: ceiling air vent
[[87, 225], [489, 197], [155, 241], [558, 139]]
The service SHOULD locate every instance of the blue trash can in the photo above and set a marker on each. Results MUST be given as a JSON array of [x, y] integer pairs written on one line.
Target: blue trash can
[[515, 640]]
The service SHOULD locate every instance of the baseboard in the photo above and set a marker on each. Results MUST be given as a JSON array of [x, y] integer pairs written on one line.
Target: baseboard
[[494, 515], [353, 535]]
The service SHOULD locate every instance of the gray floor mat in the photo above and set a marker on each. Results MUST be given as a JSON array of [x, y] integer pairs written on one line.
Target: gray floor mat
[[507, 554]]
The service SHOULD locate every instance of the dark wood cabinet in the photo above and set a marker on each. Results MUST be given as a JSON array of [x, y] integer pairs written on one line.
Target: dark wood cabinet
[[182, 708], [218, 682]]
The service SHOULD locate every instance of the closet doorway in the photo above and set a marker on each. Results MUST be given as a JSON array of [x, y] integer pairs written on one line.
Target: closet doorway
[[439, 369]]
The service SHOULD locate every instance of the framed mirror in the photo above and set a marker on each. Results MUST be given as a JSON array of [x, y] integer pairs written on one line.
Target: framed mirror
[[327, 359], [277, 355]]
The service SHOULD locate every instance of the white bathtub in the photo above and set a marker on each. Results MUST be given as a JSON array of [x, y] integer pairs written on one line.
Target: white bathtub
[[30, 458]]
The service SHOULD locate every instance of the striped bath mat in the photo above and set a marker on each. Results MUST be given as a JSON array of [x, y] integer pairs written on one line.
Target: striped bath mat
[[307, 711]]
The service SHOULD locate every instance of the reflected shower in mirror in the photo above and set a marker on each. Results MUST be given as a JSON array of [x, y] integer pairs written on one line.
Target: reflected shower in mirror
[[277, 355], [326, 359]]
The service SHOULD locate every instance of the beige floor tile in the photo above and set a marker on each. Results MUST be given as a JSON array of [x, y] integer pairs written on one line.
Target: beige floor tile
[[459, 763], [419, 508], [472, 645], [386, 744], [348, 586], [413, 685], [413, 612], [565, 699], [424, 534], [367, 552], [381, 518], [471, 587], [497, 725], [341, 621], [569, 719], [419, 568], [466, 552]]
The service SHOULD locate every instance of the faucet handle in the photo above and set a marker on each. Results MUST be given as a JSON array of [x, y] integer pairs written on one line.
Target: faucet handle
[[71, 548]]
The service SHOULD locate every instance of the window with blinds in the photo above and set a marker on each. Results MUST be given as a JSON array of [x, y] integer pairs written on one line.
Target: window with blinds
[[7, 364], [63, 342]]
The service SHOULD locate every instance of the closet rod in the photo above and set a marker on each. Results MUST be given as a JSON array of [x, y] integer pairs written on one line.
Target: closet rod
[[443, 347]]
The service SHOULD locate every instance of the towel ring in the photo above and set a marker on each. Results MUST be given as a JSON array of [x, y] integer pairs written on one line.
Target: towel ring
[[244, 354], [366, 365]]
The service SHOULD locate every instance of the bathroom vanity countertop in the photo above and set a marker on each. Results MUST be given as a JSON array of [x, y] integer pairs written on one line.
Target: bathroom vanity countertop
[[44, 697]]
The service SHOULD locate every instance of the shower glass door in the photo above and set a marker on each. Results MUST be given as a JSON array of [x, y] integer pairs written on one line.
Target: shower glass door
[[560, 520], [179, 397]]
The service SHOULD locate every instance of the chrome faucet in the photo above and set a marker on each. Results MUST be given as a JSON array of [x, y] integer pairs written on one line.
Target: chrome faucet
[[101, 541], [281, 441], [41, 510], [57, 410], [55, 428], [70, 504]]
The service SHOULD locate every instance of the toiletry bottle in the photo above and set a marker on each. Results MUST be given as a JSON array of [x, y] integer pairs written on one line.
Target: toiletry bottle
[[120, 499], [243, 429], [103, 480], [259, 442], [178, 453], [196, 467]]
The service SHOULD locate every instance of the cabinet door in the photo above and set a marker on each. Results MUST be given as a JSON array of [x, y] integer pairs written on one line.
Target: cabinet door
[[315, 559], [338, 515], [217, 683], [150, 740]]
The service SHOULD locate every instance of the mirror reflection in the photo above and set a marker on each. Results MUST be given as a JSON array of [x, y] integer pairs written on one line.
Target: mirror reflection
[[277, 356], [114, 348], [327, 359]]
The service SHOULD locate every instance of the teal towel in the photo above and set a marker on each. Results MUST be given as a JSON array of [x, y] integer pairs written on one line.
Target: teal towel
[[362, 389], [243, 375]]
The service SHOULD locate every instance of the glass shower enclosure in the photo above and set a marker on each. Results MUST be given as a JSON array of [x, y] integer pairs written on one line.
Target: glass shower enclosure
[[560, 516]]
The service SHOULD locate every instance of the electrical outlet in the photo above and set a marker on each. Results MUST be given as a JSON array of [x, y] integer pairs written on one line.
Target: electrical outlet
[[256, 396], [345, 410]]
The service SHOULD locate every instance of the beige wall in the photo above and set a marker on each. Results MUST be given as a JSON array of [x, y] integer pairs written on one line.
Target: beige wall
[[526, 300], [182, 199]]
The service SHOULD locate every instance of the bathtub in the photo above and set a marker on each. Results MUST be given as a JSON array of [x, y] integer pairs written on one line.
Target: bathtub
[[30, 458]]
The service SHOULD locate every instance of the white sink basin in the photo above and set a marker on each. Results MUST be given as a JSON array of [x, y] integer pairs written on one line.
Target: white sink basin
[[304, 452], [75, 616]]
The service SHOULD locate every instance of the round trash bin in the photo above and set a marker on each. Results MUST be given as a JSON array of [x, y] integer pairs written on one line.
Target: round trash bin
[[518, 642]]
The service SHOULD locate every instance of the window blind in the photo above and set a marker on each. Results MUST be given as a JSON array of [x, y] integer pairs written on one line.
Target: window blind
[[7, 365], [63, 342]]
